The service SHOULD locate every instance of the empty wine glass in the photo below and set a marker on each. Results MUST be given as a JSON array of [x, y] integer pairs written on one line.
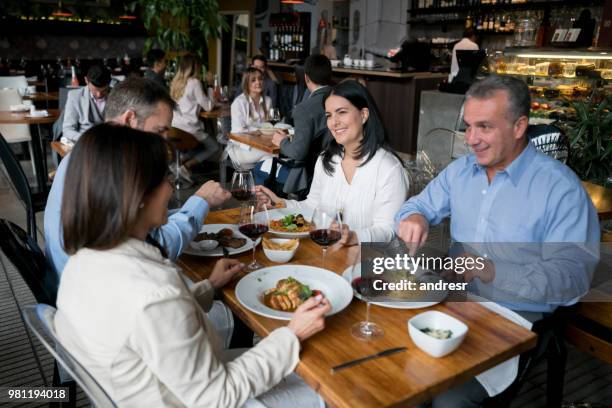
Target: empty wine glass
[[364, 330], [325, 228], [243, 185], [254, 222]]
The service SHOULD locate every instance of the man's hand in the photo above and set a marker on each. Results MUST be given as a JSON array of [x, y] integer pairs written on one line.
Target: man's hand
[[413, 230], [224, 270], [213, 193], [278, 137]]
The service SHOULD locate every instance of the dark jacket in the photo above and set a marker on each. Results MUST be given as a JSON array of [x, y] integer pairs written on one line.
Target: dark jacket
[[308, 122]]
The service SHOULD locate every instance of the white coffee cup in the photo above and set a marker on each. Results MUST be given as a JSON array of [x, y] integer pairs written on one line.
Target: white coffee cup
[[362, 63], [347, 60], [31, 90], [370, 63]]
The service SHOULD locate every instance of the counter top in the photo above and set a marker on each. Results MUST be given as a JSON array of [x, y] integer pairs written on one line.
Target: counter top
[[382, 72]]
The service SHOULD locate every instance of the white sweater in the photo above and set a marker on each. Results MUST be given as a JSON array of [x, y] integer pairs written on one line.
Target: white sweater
[[129, 318], [186, 116], [245, 117], [369, 203]]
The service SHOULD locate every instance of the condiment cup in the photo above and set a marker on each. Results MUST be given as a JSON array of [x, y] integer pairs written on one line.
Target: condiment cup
[[436, 320]]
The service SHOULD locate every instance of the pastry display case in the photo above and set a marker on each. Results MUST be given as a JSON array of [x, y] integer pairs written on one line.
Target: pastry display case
[[556, 77]]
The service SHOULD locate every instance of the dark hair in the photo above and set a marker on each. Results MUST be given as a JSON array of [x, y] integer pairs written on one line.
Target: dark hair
[[519, 101], [111, 170], [469, 33], [374, 133], [99, 76], [259, 57], [138, 94], [154, 55], [318, 68]]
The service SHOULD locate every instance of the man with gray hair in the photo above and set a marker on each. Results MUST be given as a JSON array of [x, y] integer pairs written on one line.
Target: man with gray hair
[[506, 191], [142, 104]]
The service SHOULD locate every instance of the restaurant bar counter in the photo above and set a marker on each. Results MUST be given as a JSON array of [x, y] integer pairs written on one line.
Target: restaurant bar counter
[[396, 93]]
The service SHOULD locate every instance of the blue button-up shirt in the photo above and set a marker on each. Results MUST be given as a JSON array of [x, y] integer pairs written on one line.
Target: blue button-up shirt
[[181, 228], [536, 199]]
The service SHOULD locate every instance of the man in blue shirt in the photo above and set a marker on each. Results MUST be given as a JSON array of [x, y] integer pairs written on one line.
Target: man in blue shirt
[[508, 192], [141, 104]]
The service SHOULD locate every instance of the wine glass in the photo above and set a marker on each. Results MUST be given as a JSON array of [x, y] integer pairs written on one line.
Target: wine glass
[[254, 222], [243, 185], [274, 116], [364, 330], [325, 228]]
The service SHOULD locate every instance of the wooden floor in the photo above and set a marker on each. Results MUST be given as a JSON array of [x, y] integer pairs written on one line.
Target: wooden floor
[[587, 379]]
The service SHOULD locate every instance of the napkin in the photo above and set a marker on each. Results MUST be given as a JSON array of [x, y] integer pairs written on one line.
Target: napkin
[[39, 113]]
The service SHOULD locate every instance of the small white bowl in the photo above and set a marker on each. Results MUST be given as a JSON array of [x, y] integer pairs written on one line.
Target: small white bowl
[[277, 255], [436, 320]]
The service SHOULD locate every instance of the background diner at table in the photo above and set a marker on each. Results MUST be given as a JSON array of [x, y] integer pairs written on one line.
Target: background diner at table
[[203, 188]]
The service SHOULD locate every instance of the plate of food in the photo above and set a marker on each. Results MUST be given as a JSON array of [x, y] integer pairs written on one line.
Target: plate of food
[[277, 291], [225, 235], [415, 299], [289, 223]]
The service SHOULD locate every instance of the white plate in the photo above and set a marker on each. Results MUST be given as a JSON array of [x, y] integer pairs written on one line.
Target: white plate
[[250, 289], [393, 305], [218, 251], [38, 115], [19, 108], [279, 213]]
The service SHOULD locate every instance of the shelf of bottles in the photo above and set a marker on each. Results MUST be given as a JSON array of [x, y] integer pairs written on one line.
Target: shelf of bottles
[[464, 6], [291, 36]]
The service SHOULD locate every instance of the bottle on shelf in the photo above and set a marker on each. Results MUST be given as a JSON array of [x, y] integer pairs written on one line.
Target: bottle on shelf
[[216, 89], [74, 82], [543, 31]]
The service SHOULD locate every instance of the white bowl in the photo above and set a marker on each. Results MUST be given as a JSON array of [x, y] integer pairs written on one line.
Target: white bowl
[[278, 255], [436, 320]]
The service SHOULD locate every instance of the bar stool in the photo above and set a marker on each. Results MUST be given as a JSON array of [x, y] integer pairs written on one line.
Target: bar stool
[[180, 140]]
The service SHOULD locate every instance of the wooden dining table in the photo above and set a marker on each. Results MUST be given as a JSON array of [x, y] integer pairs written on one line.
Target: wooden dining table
[[257, 140], [221, 111], [406, 378], [42, 96], [24, 118]]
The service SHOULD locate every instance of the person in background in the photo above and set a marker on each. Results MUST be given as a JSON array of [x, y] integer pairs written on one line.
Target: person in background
[[186, 89], [152, 343], [85, 106], [309, 122], [507, 191], [156, 59], [249, 110], [142, 104], [270, 85], [468, 42], [357, 172]]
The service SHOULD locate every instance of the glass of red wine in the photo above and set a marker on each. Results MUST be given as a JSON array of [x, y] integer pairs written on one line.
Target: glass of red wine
[[274, 116], [243, 185], [325, 228], [254, 222], [362, 286]]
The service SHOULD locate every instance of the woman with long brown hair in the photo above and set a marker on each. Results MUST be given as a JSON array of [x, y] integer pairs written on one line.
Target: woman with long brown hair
[[186, 89], [124, 310]]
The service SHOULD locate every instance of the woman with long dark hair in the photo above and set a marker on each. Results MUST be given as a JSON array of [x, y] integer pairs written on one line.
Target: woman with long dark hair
[[357, 172], [126, 313]]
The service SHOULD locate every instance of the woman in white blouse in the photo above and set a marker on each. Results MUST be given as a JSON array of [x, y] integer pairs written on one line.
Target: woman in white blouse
[[357, 172], [249, 110], [186, 90], [124, 310]]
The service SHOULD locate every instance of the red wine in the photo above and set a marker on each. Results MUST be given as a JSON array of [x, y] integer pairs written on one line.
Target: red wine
[[325, 237], [253, 231], [241, 194], [363, 286]]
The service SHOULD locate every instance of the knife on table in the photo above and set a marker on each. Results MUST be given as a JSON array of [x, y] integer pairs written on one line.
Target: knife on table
[[357, 361]]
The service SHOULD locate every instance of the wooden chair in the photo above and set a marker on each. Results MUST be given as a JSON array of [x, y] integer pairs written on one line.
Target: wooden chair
[[180, 140]]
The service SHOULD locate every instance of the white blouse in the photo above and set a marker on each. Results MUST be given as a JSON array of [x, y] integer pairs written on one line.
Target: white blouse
[[369, 203], [245, 117], [127, 316], [186, 116]]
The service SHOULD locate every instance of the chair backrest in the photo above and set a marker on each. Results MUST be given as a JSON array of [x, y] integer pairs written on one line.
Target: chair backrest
[[16, 174], [9, 97], [15, 82], [27, 257], [40, 320], [550, 140]]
